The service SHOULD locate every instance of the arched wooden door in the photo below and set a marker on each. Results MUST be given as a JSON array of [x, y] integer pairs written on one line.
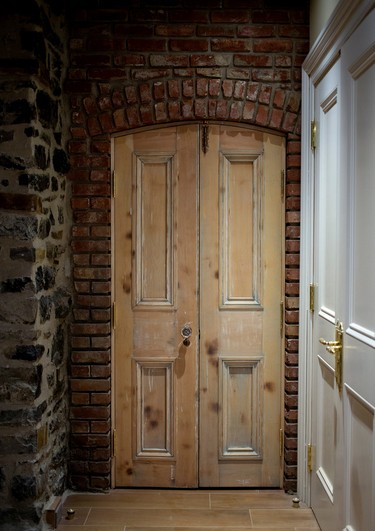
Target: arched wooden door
[[197, 290]]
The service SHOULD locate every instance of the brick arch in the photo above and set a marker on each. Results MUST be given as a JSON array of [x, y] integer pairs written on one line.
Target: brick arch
[[128, 106]]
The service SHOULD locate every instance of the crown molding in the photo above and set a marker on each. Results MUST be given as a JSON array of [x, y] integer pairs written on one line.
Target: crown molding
[[347, 15]]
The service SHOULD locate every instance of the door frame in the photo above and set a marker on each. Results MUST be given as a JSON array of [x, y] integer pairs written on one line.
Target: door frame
[[282, 258], [344, 20]]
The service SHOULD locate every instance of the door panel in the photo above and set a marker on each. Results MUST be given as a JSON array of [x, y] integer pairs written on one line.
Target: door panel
[[198, 244], [358, 301], [240, 297], [156, 295], [326, 406], [343, 421]]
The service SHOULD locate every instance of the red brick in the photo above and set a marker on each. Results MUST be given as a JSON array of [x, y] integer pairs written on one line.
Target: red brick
[[231, 45], [90, 412], [80, 399], [80, 342], [100, 371], [273, 45], [94, 301], [202, 87], [173, 89], [174, 30], [133, 116], [209, 60], [188, 88], [189, 15], [100, 454], [101, 342], [101, 287], [80, 482], [79, 426], [262, 115], [291, 316], [89, 385], [252, 91], [227, 88], [270, 16], [88, 440], [239, 90], [249, 111], [235, 111], [103, 467], [100, 426], [216, 31], [78, 132], [147, 45], [94, 356], [119, 119], [188, 45], [102, 483], [93, 126], [100, 399], [252, 60], [265, 94], [276, 118], [82, 329], [222, 110], [291, 345], [82, 287], [265, 30], [79, 314], [129, 60]]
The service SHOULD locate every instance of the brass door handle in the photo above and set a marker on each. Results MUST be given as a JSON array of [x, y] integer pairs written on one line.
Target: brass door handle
[[329, 343], [335, 348]]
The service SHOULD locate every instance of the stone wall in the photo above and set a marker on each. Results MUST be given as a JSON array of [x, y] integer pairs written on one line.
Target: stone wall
[[35, 295], [156, 63]]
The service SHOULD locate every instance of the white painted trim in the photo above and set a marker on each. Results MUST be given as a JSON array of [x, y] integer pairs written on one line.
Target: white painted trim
[[306, 278], [344, 20]]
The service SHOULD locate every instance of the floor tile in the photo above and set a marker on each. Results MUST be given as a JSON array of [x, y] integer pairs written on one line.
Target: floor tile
[[303, 518], [252, 499], [91, 528], [184, 510], [159, 499], [170, 517]]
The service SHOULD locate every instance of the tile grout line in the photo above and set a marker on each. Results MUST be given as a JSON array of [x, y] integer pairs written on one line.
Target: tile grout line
[[88, 514], [251, 518]]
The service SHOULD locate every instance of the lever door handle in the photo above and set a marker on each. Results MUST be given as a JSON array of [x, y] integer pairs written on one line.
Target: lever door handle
[[336, 348], [330, 345]]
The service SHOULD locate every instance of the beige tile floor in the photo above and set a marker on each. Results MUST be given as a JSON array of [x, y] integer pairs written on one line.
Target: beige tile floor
[[181, 510]]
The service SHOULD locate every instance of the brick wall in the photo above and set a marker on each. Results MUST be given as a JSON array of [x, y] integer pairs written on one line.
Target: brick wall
[[35, 295], [237, 61]]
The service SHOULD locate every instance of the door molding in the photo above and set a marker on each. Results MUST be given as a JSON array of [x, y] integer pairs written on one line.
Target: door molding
[[346, 17]]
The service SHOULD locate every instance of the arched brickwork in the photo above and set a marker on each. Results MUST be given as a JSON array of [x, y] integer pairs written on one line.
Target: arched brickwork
[[131, 68]]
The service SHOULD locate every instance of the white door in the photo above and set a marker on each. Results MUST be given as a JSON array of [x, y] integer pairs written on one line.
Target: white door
[[343, 412], [358, 288], [327, 397]]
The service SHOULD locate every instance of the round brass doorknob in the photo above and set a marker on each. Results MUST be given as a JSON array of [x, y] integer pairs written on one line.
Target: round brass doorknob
[[186, 332]]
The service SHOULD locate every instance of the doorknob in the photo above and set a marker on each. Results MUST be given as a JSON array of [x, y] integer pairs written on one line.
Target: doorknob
[[186, 332], [336, 348]]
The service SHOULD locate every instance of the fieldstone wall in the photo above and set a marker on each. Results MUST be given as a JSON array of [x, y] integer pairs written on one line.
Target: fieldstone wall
[[35, 296]]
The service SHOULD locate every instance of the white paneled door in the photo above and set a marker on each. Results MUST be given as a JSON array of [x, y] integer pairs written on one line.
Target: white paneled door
[[197, 284], [327, 399], [358, 288], [343, 325]]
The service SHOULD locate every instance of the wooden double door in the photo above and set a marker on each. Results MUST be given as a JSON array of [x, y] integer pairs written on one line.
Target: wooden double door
[[197, 291]]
